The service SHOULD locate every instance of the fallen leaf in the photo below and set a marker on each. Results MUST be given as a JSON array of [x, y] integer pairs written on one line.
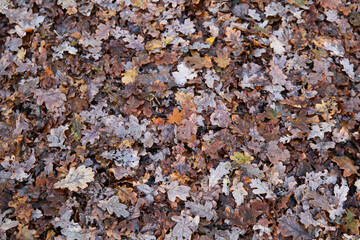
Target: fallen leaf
[[76, 178], [222, 58], [129, 76], [346, 164], [288, 226]]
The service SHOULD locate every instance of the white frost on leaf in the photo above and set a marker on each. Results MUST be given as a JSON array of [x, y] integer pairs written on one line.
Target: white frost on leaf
[[112, 205], [57, 136], [260, 187], [238, 192], [185, 226], [348, 67], [176, 190], [6, 223], [64, 47], [204, 211], [341, 193], [277, 45], [125, 157], [216, 174], [357, 185], [183, 74], [77, 178]]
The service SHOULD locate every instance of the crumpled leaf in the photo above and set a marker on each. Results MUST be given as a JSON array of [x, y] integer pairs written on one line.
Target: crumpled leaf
[[5, 223], [64, 47], [203, 211], [112, 205], [76, 178], [277, 45], [57, 136]]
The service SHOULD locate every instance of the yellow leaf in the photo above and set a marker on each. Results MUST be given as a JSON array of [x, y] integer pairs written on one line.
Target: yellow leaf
[[129, 76], [210, 40], [242, 158], [154, 44], [21, 54]]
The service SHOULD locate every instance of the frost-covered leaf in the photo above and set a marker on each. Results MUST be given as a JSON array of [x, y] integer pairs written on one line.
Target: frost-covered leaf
[[357, 185], [221, 115], [112, 205], [124, 157], [203, 211], [57, 136], [348, 67], [76, 178], [260, 187], [69, 5], [216, 174], [176, 190], [183, 74], [90, 135], [64, 47], [6, 223], [238, 191], [25, 19], [185, 226], [277, 45]]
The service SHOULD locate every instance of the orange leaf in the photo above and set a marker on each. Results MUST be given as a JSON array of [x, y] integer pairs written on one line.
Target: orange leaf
[[176, 117]]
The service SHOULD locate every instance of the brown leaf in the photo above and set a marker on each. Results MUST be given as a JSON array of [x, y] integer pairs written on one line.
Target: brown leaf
[[199, 62], [346, 164], [222, 58], [330, 4], [289, 226], [53, 98]]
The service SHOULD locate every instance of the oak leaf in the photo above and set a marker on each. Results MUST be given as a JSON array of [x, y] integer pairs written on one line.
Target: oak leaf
[[176, 117], [346, 164], [222, 58], [290, 227], [77, 178], [112, 205], [129, 76]]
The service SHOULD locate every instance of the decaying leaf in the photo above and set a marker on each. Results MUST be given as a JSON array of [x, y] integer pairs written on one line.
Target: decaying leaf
[[53, 98]]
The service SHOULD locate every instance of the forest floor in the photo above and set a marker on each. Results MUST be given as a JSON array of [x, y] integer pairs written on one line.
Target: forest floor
[[175, 119]]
